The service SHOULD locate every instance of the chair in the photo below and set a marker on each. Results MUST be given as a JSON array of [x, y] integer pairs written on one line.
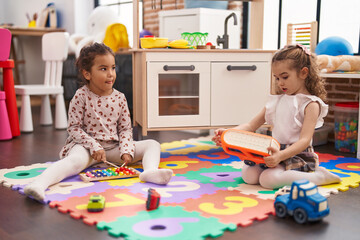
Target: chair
[[54, 53], [303, 33], [8, 81], [5, 129]]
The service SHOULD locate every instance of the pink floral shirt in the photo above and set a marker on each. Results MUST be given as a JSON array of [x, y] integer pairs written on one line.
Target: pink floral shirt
[[99, 122]]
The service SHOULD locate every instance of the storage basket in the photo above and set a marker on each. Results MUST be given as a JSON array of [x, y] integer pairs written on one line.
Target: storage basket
[[346, 126]]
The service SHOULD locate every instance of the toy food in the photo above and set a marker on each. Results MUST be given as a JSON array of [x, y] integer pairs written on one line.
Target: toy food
[[180, 43], [153, 42]]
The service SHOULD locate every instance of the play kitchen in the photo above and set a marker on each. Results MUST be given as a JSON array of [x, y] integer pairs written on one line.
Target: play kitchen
[[186, 78], [198, 89]]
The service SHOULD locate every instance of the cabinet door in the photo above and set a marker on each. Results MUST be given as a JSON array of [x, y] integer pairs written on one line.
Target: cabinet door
[[178, 94], [239, 90]]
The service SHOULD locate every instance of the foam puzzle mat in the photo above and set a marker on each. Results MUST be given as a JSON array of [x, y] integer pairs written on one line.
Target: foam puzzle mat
[[205, 197]]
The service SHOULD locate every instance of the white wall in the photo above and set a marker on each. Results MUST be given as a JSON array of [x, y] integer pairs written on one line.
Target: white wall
[[73, 16]]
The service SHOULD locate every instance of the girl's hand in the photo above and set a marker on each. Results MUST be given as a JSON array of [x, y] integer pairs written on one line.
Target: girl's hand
[[99, 156], [127, 158], [217, 137], [274, 159]]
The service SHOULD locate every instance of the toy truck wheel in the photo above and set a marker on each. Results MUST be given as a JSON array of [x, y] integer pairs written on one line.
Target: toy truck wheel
[[300, 215], [250, 163], [280, 210], [263, 166]]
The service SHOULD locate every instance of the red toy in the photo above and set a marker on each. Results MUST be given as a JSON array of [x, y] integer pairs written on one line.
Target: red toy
[[153, 199]]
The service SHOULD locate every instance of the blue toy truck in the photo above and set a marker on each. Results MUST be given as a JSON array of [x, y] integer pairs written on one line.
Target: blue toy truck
[[304, 203]]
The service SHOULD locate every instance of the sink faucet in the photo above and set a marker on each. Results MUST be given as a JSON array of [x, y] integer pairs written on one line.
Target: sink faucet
[[225, 39]]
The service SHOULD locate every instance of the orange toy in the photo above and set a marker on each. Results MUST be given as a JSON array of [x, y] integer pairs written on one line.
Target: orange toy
[[248, 146]]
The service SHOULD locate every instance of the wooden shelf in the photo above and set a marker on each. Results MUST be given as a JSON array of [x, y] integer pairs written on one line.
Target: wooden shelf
[[340, 75]]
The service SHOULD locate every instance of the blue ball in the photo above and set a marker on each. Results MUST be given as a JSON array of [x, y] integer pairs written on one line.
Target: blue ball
[[334, 46]]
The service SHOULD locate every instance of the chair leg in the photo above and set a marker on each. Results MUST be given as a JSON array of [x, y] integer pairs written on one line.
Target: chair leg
[[26, 124], [45, 112], [60, 112]]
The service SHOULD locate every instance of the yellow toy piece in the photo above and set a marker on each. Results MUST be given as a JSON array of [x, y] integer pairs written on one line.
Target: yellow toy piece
[[32, 23], [180, 43], [116, 37]]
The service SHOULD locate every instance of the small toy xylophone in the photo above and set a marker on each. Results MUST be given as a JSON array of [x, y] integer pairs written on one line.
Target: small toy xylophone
[[109, 173]]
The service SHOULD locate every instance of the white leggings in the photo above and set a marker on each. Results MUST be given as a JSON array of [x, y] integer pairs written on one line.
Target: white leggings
[[277, 177], [79, 158]]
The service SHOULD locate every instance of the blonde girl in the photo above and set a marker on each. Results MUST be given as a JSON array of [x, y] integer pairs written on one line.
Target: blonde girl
[[294, 114]]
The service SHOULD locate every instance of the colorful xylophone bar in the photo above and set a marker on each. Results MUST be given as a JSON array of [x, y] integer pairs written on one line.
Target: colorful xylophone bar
[[109, 173]]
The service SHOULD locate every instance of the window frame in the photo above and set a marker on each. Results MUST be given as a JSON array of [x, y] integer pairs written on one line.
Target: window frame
[[318, 17]]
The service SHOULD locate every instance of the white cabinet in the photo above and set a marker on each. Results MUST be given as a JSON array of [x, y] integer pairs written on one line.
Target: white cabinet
[[178, 94], [174, 22], [199, 89], [237, 89]]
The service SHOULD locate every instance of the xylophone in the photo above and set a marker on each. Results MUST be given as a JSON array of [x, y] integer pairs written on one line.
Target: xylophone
[[109, 173]]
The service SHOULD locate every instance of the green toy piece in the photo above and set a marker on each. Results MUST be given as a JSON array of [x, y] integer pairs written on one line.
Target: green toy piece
[[96, 203]]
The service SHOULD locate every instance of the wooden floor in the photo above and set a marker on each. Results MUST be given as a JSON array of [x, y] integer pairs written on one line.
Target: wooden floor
[[23, 218]]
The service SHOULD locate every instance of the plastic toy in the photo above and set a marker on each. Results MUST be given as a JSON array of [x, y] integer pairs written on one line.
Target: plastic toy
[[179, 43], [96, 203], [154, 42], [248, 146], [346, 126], [303, 202], [195, 38], [282, 191], [153, 199], [109, 173], [103, 25]]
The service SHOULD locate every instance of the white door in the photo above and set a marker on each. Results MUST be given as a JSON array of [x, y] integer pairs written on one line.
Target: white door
[[178, 94], [239, 90]]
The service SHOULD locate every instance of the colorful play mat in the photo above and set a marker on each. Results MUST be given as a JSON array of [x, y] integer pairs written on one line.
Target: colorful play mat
[[205, 197]]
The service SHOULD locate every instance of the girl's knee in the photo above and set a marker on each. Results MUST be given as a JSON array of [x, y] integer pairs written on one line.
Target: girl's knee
[[154, 143], [266, 180], [271, 177], [251, 175], [151, 144], [147, 149]]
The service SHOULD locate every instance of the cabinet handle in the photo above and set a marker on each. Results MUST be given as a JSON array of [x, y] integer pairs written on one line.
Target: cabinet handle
[[230, 68], [169, 68]]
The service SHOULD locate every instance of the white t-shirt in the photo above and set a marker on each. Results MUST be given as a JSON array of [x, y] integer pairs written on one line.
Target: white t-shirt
[[286, 114]]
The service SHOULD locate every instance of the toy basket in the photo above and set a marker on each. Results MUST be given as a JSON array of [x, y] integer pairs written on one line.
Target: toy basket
[[346, 126], [195, 38]]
